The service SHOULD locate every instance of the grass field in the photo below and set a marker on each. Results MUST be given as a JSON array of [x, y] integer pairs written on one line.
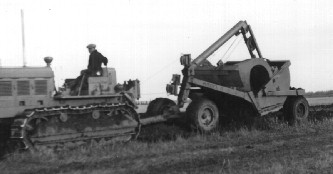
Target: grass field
[[168, 148], [320, 101], [279, 149]]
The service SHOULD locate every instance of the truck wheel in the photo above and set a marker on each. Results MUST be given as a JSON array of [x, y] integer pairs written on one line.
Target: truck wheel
[[204, 115], [296, 110], [4, 135], [159, 106]]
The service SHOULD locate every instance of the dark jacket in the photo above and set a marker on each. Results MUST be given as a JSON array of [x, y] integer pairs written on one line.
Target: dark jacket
[[95, 61]]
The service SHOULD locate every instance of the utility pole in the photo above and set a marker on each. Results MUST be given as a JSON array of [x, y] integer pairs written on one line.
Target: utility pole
[[23, 41]]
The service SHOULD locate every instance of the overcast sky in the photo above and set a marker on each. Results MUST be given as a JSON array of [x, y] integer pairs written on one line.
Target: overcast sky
[[143, 39]]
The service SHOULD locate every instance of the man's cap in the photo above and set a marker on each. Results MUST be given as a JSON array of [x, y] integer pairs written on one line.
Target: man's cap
[[91, 46]]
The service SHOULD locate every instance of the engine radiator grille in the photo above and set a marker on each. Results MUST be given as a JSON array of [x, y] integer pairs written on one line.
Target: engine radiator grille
[[40, 87], [23, 87], [5, 88]]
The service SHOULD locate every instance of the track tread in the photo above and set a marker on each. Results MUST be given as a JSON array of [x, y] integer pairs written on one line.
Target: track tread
[[23, 122]]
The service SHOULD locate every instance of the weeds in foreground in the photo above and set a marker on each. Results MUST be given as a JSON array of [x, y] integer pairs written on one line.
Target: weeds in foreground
[[193, 145]]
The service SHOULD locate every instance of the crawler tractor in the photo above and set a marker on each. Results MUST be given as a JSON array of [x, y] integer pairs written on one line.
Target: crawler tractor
[[237, 89], [34, 114]]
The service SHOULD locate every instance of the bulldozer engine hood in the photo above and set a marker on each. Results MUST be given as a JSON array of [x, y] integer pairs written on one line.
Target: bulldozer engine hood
[[26, 72]]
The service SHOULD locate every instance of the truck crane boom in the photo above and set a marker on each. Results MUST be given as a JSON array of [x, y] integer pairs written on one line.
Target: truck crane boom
[[240, 27], [189, 66]]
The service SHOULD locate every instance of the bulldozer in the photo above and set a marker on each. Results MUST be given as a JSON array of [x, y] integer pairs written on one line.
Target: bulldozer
[[35, 114], [238, 89]]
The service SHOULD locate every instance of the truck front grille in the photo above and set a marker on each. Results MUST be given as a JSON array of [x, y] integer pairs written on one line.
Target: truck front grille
[[23, 87], [5, 88], [40, 87]]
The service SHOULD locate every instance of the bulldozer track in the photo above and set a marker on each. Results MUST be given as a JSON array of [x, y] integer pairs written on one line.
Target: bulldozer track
[[57, 126]]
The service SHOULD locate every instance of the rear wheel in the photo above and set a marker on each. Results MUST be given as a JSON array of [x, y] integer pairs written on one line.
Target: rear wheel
[[296, 110], [204, 115], [159, 106]]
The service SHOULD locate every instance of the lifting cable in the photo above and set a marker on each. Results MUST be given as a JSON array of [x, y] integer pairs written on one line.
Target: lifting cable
[[237, 38], [156, 73], [233, 49], [168, 65], [159, 71]]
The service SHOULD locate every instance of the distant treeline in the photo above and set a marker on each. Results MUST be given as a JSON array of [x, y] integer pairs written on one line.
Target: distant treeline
[[328, 93], [310, 94]]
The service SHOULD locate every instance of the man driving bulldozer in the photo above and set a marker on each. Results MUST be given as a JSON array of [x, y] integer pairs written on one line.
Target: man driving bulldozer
[[95, 60], [94, 69]]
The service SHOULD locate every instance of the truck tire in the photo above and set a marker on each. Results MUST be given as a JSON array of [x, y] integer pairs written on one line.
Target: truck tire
[[159, 106], [296, 110], [4, 135], [203, 114]]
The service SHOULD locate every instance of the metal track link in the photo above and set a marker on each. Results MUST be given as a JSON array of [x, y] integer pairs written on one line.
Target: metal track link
[[56, 126]]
